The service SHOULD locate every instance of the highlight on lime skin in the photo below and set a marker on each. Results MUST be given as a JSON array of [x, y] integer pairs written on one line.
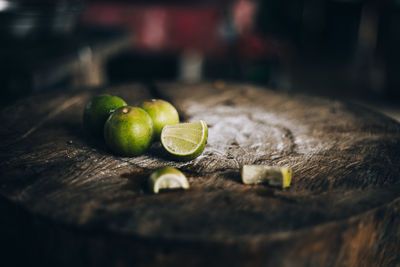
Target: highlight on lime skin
[[167, 178]]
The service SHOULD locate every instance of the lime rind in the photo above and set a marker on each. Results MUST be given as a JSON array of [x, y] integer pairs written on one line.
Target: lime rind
[[181, 140], [286, 176], [162, 113], [97, 111], [128, 131], [167, 178]]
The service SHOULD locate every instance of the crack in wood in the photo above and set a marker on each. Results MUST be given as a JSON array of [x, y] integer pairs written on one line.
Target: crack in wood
[[70, 102]]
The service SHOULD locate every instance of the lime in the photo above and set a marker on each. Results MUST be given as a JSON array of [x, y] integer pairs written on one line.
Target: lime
[[97, 111], [162, 113], [167, 178], [128, 131], [185, 141], [274, 176]]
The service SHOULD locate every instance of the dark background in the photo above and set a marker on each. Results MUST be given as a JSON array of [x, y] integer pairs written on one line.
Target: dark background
[[344, 49]]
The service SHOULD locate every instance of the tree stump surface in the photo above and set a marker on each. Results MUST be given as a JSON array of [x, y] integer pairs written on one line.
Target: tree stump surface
[[342, 209]]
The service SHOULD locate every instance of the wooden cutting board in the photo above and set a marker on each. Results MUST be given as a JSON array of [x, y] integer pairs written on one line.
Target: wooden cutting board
[[89, 207]]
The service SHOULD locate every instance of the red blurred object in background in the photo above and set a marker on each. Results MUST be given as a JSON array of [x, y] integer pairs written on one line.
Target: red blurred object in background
[[166, 28], [244, 12], [175, 28], [211, 41]]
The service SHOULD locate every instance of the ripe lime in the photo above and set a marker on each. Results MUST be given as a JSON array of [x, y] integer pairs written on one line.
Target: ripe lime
[[185, 141], [162, 113], [128, 131], [167, 178], [97, 111]]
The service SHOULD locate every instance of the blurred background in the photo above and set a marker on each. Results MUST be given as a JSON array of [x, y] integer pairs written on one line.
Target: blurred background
[[345, 49]]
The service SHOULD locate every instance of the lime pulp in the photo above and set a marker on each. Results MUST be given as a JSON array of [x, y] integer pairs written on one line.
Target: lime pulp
[[167, 178], [185, 141]]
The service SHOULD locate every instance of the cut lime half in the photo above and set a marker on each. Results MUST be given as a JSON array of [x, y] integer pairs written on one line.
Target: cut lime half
[[274, 176], [185, 141], [167, 178]]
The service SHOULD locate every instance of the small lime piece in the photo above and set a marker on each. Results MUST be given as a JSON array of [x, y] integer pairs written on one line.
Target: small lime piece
[[97, 111], [128, 131], [167, 178], [185, 141], [162, 113], [274, 176]]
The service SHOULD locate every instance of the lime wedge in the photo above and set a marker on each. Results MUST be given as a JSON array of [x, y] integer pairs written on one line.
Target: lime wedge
[[185, 141], [274, 176], [167, 178]]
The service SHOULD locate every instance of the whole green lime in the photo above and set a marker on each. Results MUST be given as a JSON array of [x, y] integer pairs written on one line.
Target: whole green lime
[[97, 111], [128, 131], [162, 113]]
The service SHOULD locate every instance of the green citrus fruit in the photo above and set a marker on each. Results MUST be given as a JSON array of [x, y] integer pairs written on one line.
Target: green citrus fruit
[[185, 141], [162, 113], [274, 176], [128, 131], [167, 178], [97, 111]]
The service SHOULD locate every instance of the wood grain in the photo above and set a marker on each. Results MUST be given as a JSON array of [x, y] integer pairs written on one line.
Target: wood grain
[[341, 210]]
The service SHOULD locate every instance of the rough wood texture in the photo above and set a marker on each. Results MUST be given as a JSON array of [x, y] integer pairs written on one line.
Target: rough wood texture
[[341, 210]]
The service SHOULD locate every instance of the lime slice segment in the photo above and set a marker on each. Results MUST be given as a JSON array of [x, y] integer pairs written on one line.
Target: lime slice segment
[[274, 176], [185, 141], [167, 178]]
